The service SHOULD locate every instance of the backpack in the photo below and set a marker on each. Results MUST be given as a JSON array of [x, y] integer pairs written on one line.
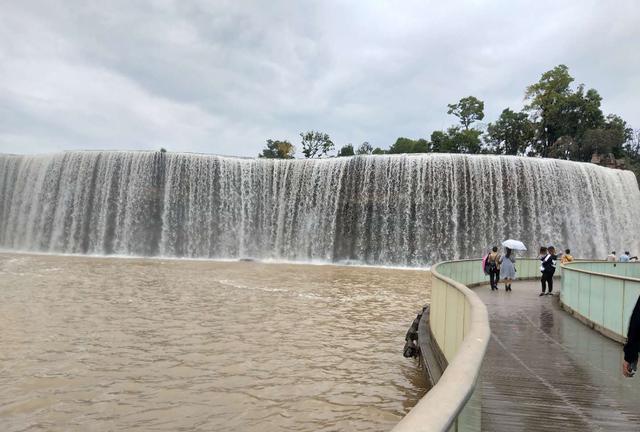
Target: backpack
[[491, 265]]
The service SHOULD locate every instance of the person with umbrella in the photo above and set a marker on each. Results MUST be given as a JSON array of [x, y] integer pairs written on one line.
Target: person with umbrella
[[507, 262]]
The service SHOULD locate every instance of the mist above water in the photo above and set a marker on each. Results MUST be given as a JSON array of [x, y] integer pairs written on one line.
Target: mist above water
[[407, 210]]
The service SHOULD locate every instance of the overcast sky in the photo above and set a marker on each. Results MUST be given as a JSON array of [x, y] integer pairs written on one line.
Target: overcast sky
[[223, 76]]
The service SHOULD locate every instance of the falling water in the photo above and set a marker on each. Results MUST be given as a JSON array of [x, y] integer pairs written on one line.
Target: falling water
[[406, 210]]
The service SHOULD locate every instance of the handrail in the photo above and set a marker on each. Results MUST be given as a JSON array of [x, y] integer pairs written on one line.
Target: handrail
[[450, 401], [445, 403], [439, 408], [571, 264]]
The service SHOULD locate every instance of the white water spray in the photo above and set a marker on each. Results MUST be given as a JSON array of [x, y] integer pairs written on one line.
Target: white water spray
[[393, 210]]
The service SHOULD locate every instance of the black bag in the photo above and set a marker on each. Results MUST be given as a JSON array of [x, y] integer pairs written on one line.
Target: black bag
[[491, 266]]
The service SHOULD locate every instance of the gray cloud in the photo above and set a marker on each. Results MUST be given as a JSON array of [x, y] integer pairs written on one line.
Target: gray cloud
[[221, 77]]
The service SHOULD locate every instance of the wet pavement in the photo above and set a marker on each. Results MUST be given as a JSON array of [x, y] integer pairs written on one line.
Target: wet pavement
[[546, 371]]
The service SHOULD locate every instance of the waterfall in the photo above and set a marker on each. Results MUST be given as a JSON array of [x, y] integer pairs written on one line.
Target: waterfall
[[406, 210]]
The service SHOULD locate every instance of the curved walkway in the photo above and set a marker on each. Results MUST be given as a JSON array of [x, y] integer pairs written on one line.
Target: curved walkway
[[546, 371]]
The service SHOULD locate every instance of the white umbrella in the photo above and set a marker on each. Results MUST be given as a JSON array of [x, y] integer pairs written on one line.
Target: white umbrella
[[514, 245]]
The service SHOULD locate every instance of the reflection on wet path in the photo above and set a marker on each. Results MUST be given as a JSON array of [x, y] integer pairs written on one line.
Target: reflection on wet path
[[132, 344], [546, 371]]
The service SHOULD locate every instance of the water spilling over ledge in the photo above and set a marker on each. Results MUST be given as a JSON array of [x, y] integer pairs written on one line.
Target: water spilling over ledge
[[393, 210]]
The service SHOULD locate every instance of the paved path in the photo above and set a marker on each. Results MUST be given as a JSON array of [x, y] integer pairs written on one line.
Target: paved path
[[546, 371]]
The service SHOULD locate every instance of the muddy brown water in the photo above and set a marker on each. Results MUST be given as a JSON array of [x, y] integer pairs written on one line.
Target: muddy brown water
[[97, 344]]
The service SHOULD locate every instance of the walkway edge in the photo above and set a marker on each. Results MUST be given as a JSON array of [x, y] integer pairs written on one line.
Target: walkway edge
[[431, 357], [592, 324], [440, 407]]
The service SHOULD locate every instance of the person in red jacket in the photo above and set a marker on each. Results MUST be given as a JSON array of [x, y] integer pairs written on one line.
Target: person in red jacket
[[631, 348]]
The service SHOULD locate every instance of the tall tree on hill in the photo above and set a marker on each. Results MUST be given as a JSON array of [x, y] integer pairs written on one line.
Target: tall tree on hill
[[468, 110], [546, 100], [315, 144], [579, 111], [570, 123]]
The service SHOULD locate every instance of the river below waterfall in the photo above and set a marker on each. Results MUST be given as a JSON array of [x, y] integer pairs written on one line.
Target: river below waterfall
[[164, 345]]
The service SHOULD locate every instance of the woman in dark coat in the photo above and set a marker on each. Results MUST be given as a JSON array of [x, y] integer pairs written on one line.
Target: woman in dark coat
[[632, 346]]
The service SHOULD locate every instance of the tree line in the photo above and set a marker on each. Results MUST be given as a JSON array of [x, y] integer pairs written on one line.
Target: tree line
[[559, 120]]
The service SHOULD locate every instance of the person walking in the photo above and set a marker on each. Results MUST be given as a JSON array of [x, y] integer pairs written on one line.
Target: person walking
[[493, 267], [548, 268], [631, 348], [507, 268], [612, 257], [566, 258], [625, 257]]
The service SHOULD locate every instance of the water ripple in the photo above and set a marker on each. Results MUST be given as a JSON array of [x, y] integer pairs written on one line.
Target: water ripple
[[111, 344]]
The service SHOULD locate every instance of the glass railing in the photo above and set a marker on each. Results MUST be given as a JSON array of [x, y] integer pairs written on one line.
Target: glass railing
[[601, 294]]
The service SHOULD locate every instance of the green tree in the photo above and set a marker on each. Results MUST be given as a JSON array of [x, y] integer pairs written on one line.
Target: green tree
[[632, 146], [315, 144], [378, 151], [441, 143], [511, 134], [565, 147], [402, 145], [276, 149], [610, 138], [346, 150], [468, 110], [570, 123], [365, 149], [597, 141], [544, 100], [622, 131], [578, 112], [465, 140], [632, 152], [408, 145]]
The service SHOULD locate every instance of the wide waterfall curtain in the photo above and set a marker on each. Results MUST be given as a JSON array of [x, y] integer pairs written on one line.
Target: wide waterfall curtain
[[407, 210]]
